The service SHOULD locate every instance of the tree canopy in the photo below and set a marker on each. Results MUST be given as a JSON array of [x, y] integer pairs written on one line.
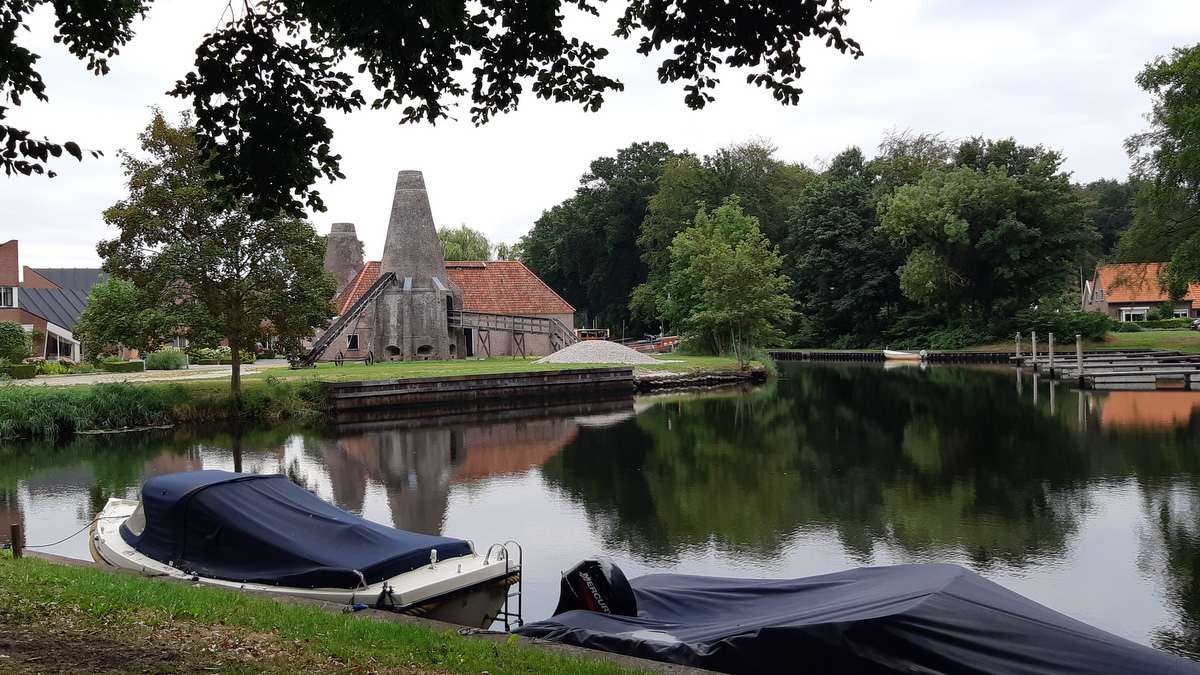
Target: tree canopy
[[724, 286], [264, 80], [189, 249], [119, 313], [464, 243]]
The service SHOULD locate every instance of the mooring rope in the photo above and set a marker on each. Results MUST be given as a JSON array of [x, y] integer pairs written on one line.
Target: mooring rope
[[73, 534]]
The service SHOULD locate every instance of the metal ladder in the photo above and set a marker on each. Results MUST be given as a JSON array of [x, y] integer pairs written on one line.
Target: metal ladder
[[511, 618], [310, 359]]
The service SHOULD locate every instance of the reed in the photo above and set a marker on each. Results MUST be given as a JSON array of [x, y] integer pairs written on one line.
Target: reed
[[55, 412]]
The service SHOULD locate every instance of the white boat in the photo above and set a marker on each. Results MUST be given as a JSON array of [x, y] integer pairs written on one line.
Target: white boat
[[266, 534], [893, 355]]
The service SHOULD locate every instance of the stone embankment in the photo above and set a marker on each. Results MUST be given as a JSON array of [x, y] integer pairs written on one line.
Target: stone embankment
[[655, 380]]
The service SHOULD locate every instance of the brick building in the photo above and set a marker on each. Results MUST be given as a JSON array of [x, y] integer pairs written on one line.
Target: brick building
[[1134, 292], [45, 301]]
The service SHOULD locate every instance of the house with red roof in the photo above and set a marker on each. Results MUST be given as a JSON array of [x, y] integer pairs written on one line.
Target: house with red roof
[[47, 302], [505, 287], [1135, 291]]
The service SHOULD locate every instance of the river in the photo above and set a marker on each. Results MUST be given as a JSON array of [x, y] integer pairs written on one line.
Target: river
[[1088, 502]]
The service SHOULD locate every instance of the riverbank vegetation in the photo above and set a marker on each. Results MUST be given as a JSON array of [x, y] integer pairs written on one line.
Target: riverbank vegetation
[[271, 394], [85, 619], [930, 243]]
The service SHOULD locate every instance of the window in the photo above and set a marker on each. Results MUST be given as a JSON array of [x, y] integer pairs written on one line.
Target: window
[[1134, 313], [8, 296], [352, 341], [1180, 313]]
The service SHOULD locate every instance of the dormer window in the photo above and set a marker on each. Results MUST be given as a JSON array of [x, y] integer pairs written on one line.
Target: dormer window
[[8, 296]]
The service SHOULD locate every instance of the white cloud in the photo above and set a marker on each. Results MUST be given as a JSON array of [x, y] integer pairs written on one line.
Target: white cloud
[[1058, 73]]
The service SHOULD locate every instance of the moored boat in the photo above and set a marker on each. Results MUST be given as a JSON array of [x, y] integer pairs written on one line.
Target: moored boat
[[894, 355], [931, 618], [264, 533]]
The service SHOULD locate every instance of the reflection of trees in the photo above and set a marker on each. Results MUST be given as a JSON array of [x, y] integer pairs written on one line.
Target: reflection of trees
[[924, 460], [1174, 510]]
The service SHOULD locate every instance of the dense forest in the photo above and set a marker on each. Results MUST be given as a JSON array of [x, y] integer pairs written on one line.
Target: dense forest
[[928, 242]]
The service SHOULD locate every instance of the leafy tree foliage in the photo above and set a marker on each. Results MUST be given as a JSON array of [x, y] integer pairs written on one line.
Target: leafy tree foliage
[[1167, 156], [190, 249], [766, 187], [586, 247], [264, 80], [120, 313], [464, 243], [1110, 204], [512, 251], [985, 243], [15, 342], [725, 287], [843, 268]]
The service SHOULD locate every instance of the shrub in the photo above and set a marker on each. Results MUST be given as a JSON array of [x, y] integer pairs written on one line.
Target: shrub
[[167, 358], [52, 368], [1064, 322], [1125, 327], [119, 366], [1163, 311], [22, 371], [15, 342], [1166, 323]]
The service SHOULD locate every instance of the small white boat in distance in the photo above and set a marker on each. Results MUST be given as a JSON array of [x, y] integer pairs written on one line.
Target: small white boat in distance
[[266, 534], [893, 355]]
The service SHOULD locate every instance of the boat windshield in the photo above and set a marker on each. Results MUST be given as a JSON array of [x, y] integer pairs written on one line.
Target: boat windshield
[[137, 522]]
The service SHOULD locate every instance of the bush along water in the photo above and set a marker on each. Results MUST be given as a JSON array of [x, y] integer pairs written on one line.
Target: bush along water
[[56, 412]]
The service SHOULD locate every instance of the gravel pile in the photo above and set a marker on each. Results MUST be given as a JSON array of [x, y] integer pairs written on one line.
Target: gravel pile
[[598, 351]]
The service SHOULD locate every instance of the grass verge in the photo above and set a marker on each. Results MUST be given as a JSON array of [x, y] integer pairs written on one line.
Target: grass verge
[[1171, 340], [50, 412], [66, 619]]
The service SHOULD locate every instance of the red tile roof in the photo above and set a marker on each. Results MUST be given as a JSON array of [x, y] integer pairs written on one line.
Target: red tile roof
[[1138, 282], [496, 286]]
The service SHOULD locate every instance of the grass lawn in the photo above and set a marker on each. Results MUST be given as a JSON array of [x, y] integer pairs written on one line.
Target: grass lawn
[[67, 619], [388, 370], [1171, 340]]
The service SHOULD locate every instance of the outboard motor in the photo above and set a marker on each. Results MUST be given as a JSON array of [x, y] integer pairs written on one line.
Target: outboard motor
[[598, 586]]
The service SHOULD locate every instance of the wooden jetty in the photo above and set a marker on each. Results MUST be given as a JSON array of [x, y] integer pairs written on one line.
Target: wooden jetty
[[876, 356], [1124, 370]]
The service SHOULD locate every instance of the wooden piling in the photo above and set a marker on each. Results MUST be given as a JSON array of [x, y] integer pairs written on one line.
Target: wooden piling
[[1033, 348], [1018, 349], [18, 542], [1079, 356], [1050, 349]]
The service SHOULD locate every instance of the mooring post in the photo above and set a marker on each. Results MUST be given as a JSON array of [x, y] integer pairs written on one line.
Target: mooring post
[[1050, 353], [18, 544], [1018, 349], [1033, 348], [1079, 356]]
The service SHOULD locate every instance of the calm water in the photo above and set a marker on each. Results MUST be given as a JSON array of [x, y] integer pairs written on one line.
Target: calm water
[[1089, 503]]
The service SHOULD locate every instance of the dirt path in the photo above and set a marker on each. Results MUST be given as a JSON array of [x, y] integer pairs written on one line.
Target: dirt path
[[192, 373]]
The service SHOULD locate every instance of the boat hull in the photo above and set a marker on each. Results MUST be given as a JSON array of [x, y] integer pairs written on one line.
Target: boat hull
[[468, 590], [892, 355]]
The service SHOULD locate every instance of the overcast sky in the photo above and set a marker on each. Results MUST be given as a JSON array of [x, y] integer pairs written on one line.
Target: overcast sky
[[1057, 73]]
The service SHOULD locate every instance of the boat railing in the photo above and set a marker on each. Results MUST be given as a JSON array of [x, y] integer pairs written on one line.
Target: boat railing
[[504, 551]]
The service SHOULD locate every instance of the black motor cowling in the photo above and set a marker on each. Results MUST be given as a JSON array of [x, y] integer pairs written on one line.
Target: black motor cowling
[[598, 586]]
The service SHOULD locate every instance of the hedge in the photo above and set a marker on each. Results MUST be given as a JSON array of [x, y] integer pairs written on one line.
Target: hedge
[[1165, 323], [123, 366], [22, 371]]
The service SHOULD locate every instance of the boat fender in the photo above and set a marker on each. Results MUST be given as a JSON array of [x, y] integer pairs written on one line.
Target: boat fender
[[596, 585]]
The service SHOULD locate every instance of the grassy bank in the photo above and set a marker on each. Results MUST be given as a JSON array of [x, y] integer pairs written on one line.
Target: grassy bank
[[50, 412], [1172, 340], [65, 619]]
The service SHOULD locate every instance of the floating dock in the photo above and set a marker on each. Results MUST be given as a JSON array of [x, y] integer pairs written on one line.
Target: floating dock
[[1127, 370]]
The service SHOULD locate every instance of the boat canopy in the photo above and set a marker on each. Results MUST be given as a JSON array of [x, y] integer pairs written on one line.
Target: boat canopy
[[899, 619], [265, 529]]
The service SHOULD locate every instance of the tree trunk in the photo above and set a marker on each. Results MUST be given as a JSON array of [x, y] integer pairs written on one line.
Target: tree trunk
[[235, 372]]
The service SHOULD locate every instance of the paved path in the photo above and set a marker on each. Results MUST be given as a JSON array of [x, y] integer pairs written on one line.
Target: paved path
[[192, 373]]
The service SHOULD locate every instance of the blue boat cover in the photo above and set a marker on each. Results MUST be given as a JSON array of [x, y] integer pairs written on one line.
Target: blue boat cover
[[900, 619], [266, 529]]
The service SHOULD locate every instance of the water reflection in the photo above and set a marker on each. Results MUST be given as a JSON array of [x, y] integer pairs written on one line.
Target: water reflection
[[1053, 492]]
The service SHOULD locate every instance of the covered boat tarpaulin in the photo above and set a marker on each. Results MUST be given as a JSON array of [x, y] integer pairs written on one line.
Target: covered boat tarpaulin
[[268, 530], [900, 619]]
